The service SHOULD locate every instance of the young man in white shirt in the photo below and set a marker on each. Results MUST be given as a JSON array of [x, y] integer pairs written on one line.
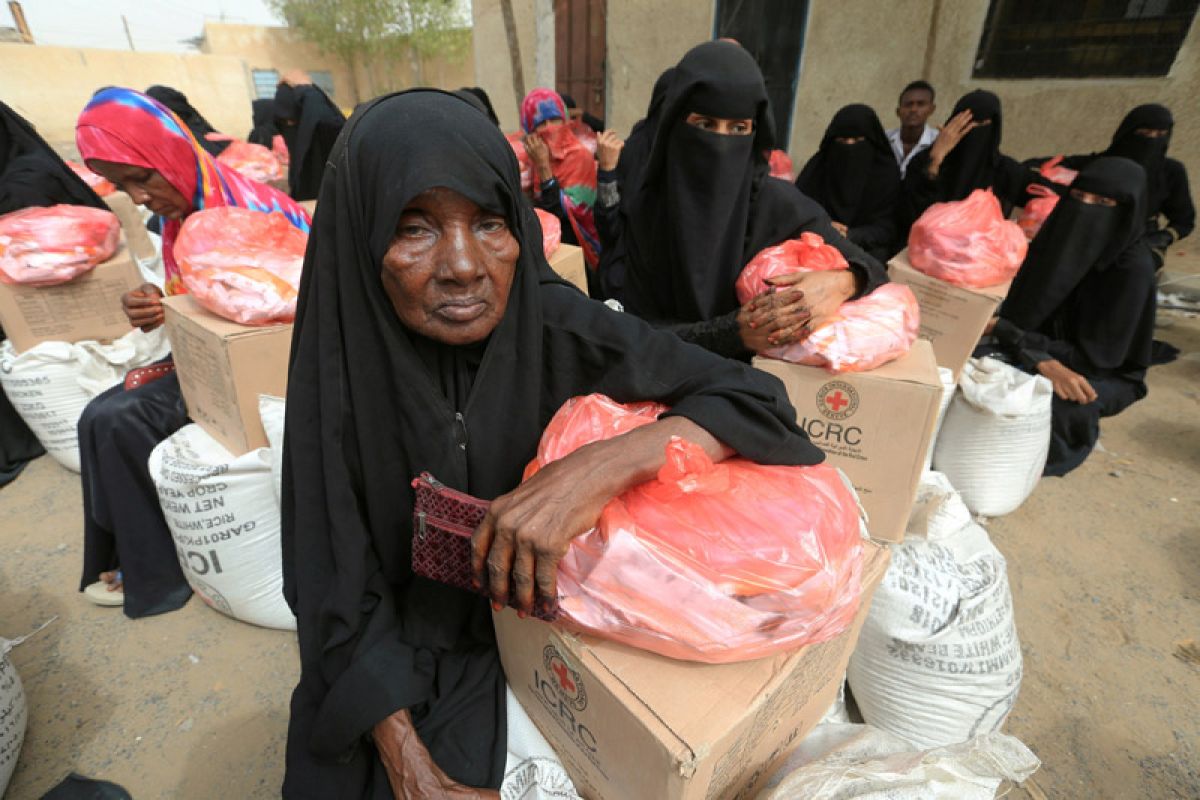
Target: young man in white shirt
[[913, 135]]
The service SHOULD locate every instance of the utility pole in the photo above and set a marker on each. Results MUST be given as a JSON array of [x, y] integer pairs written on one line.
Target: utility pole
[[18, 15], [128, 35]]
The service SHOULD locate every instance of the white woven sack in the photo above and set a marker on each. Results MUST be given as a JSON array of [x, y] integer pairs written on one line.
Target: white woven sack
[[50, 383], [995, 436], [223, 515], [938, 660], [948, 388], [532, 770], [271, 412], [13, 715]]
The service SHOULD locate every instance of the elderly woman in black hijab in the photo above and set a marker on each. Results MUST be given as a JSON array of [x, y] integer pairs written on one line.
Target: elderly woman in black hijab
[[965, 156], [702, 207], [1081, 309], [177, 101], [309, 122], [853, 175], [431, 335]]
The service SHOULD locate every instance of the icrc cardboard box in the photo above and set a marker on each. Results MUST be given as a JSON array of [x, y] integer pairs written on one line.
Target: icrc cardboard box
[[88, 307], [568, 262], [632, 725], [132, 226], [952, 318], [876, 426], [223, 367]]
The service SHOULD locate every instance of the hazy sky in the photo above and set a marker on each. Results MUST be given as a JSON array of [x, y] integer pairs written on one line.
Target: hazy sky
[[154, 24]]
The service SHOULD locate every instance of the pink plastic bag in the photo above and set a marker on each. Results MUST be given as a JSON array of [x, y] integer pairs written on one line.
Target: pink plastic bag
[[517, 141], [242, 265], [98, 183], [254, 161], [780, 164], [279, 148], [708, 562], [864, 334], [1045, 199], [967, 242], [46, 246], [551, 231]]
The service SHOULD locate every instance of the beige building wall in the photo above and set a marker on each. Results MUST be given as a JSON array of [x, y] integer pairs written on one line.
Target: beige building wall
[[493, 65], [49, 86]]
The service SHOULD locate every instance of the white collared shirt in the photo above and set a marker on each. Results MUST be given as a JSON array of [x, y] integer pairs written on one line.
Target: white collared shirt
[[898, 146]]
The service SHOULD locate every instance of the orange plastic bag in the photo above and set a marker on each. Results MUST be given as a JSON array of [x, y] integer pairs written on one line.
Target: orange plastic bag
[[551, 231], [98, 183], [967, 242], [46, 246], [517, 141], [864, 334], [253, 161], [780, 164], [242, 265], [708, 562], [1045, 199]]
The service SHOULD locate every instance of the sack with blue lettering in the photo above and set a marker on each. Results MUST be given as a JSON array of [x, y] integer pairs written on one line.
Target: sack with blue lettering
[[224, 517]]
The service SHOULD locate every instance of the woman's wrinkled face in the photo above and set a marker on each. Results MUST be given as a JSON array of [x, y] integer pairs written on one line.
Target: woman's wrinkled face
[[721, 125], [449, 267], [146, 187]]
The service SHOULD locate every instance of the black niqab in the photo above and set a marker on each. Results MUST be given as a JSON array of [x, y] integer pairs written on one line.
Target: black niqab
[[310, 123], [264, 130], [1150, 153], [32, 174], [177, 101], [853, 182], [973, 162]]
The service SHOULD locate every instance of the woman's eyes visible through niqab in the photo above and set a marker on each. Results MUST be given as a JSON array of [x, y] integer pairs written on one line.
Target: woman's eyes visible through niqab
[[721, 125]]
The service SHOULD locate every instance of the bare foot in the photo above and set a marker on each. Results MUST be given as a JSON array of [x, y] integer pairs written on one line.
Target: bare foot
[[113, 580]]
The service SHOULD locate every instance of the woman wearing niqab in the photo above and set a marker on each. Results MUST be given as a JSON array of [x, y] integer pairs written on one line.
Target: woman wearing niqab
[[1081, 309], [263, 117], [701, 207], [374, 399], [853, 175], [310, 123]]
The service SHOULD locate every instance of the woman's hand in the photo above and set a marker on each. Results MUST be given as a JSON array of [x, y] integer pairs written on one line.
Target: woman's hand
[[516, 549], [824, 291], [608, 150], [773, 319], [143, 307], [539, 154], [948, 137], [411, 771], [1068, 384]]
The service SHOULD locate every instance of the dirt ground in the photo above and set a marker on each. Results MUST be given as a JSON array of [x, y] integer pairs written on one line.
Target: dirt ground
[[1103, 565]]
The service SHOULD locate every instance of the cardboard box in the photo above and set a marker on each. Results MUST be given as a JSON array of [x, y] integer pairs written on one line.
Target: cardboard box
[[88, 307], [132, 226], [223, 367], [952, 318], [568, 262], [631, 725], [876, 426]]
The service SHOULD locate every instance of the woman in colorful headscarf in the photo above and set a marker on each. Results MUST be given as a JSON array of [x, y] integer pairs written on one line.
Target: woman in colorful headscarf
[[147, 151], [565, 173]]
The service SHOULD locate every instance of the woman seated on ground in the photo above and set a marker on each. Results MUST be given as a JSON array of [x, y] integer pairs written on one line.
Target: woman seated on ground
[[431, 335], [564, 172], [687, 222], [309, 123], [1081, 310], [31, 174], [148, 152], [853, 175]]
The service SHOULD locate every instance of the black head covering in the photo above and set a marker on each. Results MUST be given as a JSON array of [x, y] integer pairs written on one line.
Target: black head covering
[[1150, 153], [264, 130], [487, 102], [309, 122], [1078, 238], [32, 174], [972, 163], [852, 181], [473, 99], [177, 101], [636, 151], [703, 206], [370, 405]]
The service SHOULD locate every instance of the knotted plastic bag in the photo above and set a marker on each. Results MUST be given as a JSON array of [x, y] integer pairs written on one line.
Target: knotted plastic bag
[[46, 246], [551, 231], [967, 243], [98, 183], [253, 161], [862, 335], [242, 265], [708, 562], [1045, 199]]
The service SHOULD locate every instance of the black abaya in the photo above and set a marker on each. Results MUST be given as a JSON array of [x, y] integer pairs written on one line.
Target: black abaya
[[196, 123], [264, 130], [370, 405], [310, 123]]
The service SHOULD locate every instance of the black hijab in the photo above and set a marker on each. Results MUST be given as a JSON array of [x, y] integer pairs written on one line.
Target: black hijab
[[636, 151], [974, 161], [703, 206], [177, 101], [853, 182], [487, 102], [32, 174], [309, 122], [1088, 276], [1151, 154], [264, 130]]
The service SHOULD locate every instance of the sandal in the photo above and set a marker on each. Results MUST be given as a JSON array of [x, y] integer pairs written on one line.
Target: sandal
[[99, 594]]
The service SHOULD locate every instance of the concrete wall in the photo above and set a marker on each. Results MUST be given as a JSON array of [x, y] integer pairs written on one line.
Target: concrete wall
[[493, 66], [49, 86]]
